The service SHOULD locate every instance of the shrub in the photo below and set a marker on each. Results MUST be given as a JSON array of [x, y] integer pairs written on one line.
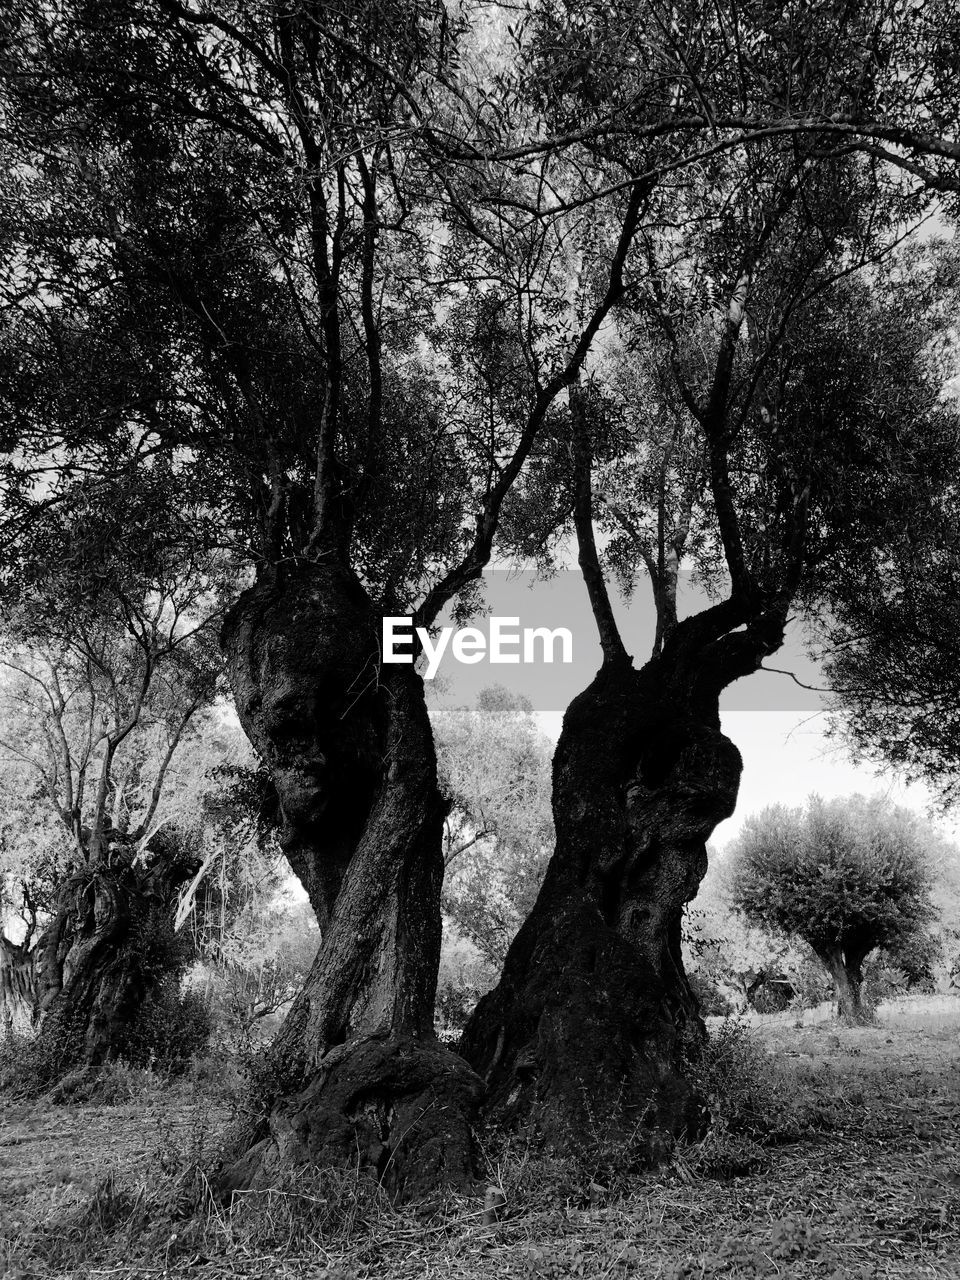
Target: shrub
[[712, 1001], [170, 1028], [740, 1082], [773, 997], [31, 1063]]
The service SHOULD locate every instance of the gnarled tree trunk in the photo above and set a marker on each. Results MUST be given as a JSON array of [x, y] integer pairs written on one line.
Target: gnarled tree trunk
[[303, 661], [356, 1070], [109, 945], [585, 1037], [846, 969], [18, 987]]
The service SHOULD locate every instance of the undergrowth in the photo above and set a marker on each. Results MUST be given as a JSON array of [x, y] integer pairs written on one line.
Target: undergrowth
[[795, 1176]]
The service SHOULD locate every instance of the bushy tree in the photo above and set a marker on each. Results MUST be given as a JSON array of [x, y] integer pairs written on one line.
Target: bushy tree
[[495, 770], [104, 675], [846, 876], [494, 766]]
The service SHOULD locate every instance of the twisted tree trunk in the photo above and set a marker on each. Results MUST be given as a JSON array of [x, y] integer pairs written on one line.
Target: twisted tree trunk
[[356, 1070], [108, 947], [586, 1035], [18, 987], [846, 969], [303, 662]]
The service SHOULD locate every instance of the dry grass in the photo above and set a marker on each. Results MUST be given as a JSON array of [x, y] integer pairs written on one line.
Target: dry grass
[[859, 1177]]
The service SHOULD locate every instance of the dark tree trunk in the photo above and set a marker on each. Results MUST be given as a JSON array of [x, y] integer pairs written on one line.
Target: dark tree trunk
[[847, 974], [356, 1070], [587, 1032], [108, 947], [754, 985], [18, 987], [302, 653]]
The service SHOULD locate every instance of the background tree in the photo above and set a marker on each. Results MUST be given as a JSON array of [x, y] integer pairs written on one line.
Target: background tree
[[97, 701], [886, 633], [747, 965], [34, 849], [495, 770], [253, 936], [846, 876], [259, 965]]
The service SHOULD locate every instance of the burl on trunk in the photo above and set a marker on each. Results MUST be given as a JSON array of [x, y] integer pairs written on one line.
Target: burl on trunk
[[304, 666]]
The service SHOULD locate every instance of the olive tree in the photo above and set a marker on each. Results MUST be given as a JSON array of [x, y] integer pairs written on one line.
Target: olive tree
[[105, 676], [764, 415], [343, 265], [846, 876], [315, 304]]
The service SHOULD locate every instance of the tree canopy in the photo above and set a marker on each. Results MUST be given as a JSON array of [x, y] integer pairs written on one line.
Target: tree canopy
[[846, 876], [311, 306]]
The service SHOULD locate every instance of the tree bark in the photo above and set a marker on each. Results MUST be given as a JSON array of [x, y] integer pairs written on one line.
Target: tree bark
[[585, 1036], [847, 974], [356, 1071], [109, 945], [18, 988], [302, 652]]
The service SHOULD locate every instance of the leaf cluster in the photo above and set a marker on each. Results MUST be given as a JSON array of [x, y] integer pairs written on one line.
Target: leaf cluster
[[851, 874]]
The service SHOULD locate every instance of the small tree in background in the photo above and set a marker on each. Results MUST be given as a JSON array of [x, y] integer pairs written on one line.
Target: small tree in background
[[253, 935], [736, 964], [260, 964], [845, 876], [494, 766]]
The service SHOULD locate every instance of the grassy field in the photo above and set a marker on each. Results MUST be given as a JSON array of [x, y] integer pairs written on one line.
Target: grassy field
[[836, 1155]]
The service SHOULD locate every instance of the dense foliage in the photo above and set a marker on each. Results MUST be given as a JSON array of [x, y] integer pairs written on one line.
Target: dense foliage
[[845, 876], [301, 309]]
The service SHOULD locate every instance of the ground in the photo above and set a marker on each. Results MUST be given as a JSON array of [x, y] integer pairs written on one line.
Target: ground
[[856, 1175]]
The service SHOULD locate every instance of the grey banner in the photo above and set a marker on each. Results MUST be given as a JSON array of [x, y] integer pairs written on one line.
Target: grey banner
[[561, 602]]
